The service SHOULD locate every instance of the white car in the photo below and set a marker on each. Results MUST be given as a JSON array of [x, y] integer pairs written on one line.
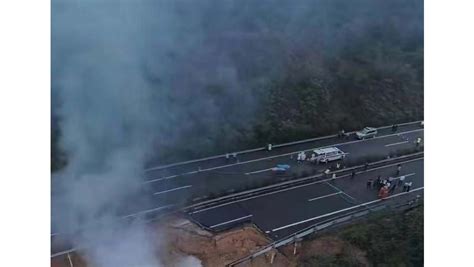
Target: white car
[[367, 132], [325, 155]]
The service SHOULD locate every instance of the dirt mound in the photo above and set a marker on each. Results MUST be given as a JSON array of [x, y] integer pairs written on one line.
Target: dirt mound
[[183, 243]]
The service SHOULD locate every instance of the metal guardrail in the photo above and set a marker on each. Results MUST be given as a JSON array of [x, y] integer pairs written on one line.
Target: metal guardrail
[[274, 187], [160, 167], [295, 182], [324, 225], [265, 189]]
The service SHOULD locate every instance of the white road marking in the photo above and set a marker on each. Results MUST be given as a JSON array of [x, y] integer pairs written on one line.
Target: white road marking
[[61, 253], [406, 175], [171, 190], [275, 156], [340, 191], [147, 211], [342, 210], [262, 148], [316, 198], [395, 144], [259, 171], [296, 187], [234, 220], [161, 179], [70, 261]]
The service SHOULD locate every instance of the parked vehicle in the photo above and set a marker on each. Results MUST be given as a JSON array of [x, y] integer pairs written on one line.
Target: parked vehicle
[[367, 132], [281, 168], [325, 155]]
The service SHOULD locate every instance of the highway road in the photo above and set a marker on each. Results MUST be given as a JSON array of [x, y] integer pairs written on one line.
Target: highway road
[[284, 212], [172, 186], [254, 168], [182, 168]]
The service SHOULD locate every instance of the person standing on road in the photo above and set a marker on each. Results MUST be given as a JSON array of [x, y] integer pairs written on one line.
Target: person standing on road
[[390, 179], [401, 180], [326, 172], [333, 176], [353, 174], [269, 147], [392, 188], [394, 128], [379, 181], [383, 192], [369, 183], [338, 165], [408, 186], [399, 169], [234, 155], [342, 133], [227, 157], [418, 142]]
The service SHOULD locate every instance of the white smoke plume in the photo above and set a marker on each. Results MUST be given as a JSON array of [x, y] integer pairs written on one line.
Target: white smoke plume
[[132, 78]]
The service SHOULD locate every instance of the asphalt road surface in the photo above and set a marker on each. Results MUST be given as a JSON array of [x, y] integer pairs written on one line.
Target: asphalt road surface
[[172, 186], [180, 168], [255, 168], [284, 212]]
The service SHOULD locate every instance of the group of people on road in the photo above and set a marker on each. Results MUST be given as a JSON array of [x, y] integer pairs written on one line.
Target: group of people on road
[[301, 157], [387, 186]]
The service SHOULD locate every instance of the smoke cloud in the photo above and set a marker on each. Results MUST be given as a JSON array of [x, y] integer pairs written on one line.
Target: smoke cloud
[[133, 80]]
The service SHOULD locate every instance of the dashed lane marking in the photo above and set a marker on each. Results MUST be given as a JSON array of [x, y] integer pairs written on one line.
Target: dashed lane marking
[[395, 144], [298, 186], [275, 156], [316, 198], [259, 171], [147, 211], [342, 210], [231, 221], [340, 191], [263, 148], [171, 190]]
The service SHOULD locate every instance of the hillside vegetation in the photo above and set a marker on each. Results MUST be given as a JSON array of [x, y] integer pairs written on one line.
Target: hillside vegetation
[[393, 240], [332, 65]]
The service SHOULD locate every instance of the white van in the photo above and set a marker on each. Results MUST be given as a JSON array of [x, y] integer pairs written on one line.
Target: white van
[[327, 154]]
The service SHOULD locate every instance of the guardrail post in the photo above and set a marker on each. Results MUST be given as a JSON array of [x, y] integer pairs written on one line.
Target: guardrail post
[[296, 244], [272, 257]]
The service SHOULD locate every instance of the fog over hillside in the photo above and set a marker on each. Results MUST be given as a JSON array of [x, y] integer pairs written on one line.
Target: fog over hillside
[[141, 81]]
